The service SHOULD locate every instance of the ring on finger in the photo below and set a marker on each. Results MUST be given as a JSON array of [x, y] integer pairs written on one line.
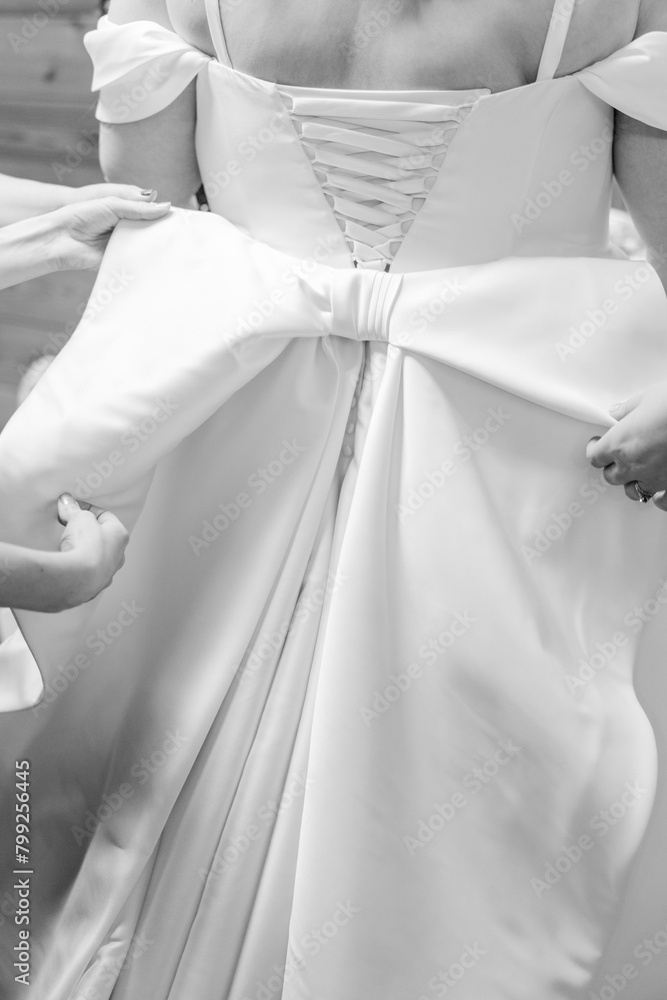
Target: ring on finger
[[644, 495]]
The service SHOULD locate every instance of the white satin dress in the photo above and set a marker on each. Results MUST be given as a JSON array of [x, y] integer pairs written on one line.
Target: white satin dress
[[357, 719]]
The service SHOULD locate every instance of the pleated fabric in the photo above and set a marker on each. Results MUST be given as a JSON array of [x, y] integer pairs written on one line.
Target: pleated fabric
[[357, 719]]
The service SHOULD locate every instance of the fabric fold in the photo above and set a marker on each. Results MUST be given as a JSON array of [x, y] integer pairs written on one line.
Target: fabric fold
[[633, 79], [179, 362], [369, 569], [140, 68]]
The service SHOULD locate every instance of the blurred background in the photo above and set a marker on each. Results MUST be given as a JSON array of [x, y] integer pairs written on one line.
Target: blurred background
[[47, 132]]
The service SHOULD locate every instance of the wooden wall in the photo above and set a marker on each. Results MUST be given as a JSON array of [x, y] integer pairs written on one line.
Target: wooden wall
[[47, 132]]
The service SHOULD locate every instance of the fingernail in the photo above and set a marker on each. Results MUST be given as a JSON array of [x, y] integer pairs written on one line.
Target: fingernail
[[67, 499], [162, 204], [149, 193]]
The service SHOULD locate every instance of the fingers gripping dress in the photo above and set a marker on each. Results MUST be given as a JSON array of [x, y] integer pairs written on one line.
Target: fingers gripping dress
[[357, 719]]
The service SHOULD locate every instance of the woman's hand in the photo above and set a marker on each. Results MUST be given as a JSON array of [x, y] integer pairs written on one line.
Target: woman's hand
[[634, 450], [91, 192], [82, 229], [93, 546], [21, 198], [92, 551], [70, 238]]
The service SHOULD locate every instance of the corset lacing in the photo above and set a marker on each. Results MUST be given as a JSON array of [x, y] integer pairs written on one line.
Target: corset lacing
[[376, 161]]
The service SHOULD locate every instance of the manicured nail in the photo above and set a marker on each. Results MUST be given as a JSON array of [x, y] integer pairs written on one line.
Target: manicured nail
[[67, 499]]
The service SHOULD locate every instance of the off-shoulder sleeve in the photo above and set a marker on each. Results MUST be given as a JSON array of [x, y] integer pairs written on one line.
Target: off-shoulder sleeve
[[139, 68], [634, 79]]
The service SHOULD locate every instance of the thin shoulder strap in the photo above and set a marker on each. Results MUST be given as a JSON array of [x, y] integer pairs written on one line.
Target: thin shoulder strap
[[217, 34], [556, 38]]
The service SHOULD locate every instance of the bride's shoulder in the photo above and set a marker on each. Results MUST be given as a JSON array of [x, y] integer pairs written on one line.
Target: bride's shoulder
[[125, 11], [598, 29], [185, 17]]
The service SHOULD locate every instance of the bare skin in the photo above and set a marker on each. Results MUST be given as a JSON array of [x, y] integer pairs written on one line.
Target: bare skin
[[22, 199], [71, 238], [439, 44], [447, 45], [92, 550], [44, 228], [634, 450]]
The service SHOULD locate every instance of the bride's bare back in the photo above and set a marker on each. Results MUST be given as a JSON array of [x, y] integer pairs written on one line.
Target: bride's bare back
[[396, 44], [393, 45]]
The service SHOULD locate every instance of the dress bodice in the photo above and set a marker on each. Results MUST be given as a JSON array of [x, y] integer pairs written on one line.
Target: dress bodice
[[377, 157], [522, 172]]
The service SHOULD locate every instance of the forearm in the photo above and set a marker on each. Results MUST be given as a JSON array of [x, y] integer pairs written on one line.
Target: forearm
[[33, 580], [28, 250], [23, 199]]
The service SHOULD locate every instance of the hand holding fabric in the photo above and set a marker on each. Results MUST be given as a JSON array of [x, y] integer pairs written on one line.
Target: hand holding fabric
[[634, 450]]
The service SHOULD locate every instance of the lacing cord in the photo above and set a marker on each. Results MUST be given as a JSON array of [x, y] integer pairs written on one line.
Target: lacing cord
[[375, 171]]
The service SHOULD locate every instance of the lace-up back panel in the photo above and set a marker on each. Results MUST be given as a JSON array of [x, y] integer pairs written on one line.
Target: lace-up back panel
[[376, 157]]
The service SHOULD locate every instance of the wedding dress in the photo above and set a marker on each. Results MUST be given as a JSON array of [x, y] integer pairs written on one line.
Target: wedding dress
[[357, 718]]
